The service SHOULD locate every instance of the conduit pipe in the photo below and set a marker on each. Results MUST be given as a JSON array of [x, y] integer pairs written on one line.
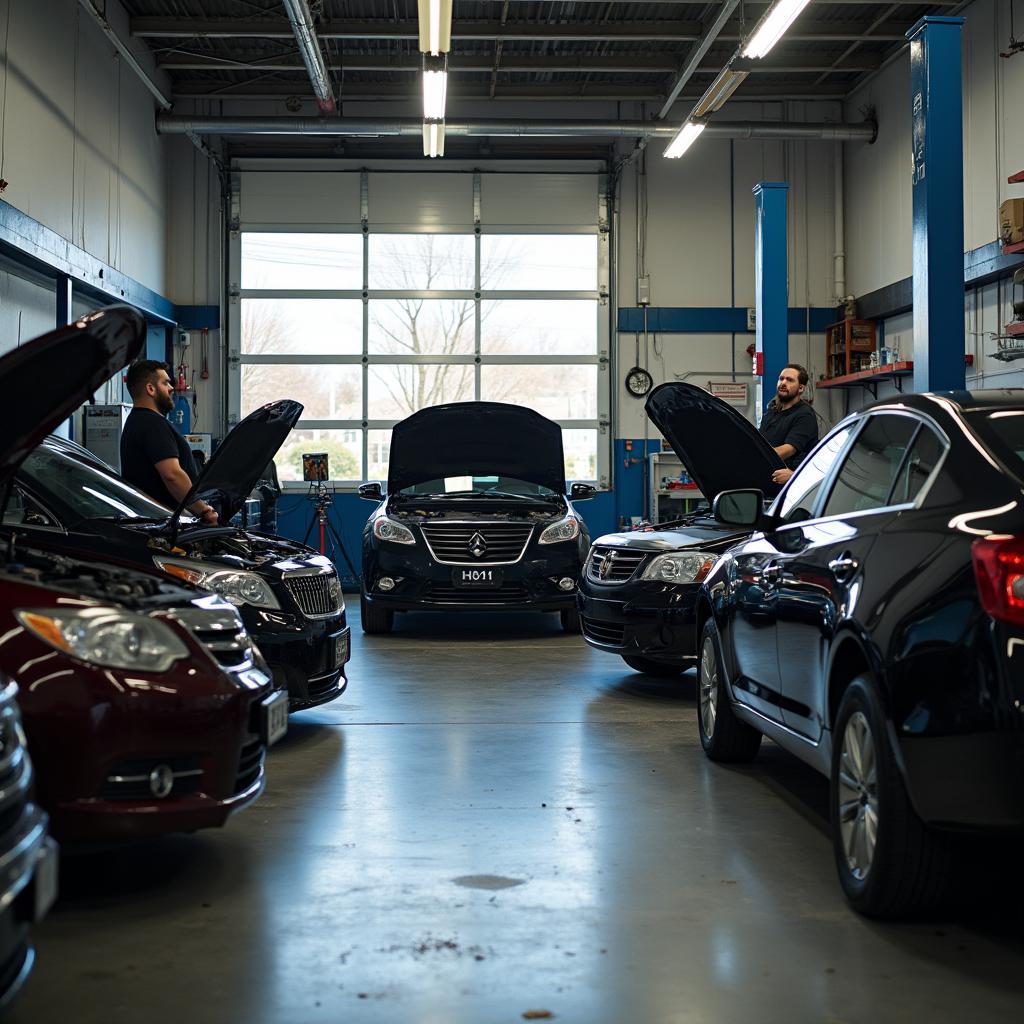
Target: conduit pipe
[[839, 260], [169, 124], [301, 19]]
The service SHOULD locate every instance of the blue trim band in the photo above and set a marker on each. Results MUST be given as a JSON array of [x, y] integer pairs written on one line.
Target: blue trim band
[[194, 318], [715, 319]]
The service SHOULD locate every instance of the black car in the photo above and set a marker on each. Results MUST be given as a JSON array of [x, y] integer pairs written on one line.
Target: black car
[[870, 627], [639, 589], [475, 517], [288, 595]]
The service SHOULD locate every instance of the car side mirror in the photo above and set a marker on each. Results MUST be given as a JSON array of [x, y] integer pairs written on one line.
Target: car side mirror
[[739, 508], [582, 492], [371, 492]]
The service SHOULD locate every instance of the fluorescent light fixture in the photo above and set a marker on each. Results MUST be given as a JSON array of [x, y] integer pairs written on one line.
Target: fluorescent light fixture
[[728, 81], [772, 26], [433, 138], [435, 17], [435, 87], [685, 138]]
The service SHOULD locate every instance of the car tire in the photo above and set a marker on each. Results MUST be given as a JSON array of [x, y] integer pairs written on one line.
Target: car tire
[[375, 620], [570, 620], [889, 862], [722, 735], [651, 667]]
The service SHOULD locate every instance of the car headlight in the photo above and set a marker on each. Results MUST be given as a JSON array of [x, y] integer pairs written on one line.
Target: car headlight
[[680, 567], [110, 637], [389, 530], [234, 585], [565, 529]]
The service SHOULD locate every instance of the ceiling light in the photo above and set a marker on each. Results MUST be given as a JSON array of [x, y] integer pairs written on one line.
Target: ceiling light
[[435, 87], [772, 26], [728, 81], [433, 138], [685, 138], [435, 17]]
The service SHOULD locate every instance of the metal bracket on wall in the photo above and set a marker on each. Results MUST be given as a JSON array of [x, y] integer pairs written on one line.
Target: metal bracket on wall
[[235, 199]]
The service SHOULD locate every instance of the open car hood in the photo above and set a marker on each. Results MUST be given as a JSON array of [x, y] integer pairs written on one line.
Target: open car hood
[[46, 379], [720, 449], [235, 467], [476, 439]]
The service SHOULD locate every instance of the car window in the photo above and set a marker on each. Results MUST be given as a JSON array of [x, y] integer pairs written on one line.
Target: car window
[[21, 510], [924, 456], [869, 470], [800, 494]]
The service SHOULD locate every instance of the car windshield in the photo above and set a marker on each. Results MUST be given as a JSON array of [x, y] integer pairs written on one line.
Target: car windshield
[[480, 486], [85, 489], [1003, 432]]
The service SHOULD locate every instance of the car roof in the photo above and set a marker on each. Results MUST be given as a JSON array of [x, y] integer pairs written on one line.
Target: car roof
[[957, 401]]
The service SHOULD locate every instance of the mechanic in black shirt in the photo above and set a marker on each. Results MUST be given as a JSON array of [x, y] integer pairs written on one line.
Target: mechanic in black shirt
[[154, 456], [789, 424]]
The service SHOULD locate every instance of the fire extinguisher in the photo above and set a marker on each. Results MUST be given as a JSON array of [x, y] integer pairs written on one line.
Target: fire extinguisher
[[181, 386]]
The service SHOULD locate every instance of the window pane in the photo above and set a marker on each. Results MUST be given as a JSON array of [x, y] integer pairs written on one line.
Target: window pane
[[422, 261], [924, 457], [422, 326], [580, 454], [538, 327], [562, 392], [399, 391], [306, 326], [802, 491], [539, 262], [378, 454], [868, 472], [344, 453], [283, 260], [327, 392]]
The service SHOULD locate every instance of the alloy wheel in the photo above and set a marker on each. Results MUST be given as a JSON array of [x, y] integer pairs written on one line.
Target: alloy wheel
[[858, 795], [708, 687]]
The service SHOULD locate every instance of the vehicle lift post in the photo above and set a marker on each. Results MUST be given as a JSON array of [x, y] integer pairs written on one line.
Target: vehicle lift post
[[771, 279]]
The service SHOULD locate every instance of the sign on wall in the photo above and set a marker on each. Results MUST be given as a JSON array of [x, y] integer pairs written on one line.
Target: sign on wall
[[733, 392]]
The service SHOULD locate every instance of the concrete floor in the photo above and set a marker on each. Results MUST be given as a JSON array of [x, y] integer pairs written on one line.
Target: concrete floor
[[494, 820]]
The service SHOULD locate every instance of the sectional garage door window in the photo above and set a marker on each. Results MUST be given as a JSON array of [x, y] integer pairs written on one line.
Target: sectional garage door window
[[426, 295]]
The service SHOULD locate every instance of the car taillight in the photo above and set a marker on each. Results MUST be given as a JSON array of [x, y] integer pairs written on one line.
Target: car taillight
[[999, 572]]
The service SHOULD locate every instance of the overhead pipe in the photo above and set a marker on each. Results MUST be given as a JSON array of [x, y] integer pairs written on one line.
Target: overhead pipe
[[301, 19], [170, 124], [839, 258]]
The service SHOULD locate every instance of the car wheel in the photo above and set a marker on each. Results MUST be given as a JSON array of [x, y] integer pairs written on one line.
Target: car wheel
[[375, 620], [889, 862], [570, 620], [722, 735], [653, 668]]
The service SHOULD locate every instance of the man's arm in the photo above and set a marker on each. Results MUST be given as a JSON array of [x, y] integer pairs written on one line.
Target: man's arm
[[177, 482], [785, 451]]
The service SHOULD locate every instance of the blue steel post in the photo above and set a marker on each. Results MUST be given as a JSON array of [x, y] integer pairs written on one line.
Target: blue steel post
[[771, 277], [938, 183]]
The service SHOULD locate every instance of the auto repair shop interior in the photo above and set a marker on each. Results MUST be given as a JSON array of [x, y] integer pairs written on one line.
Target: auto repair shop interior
[[486, 709]]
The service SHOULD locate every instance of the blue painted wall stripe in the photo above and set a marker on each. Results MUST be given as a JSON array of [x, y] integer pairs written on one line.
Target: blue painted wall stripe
[[716, 319]]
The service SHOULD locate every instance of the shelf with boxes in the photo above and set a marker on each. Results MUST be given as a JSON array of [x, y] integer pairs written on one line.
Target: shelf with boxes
[[850, 345], [670, 491], [1011, 220]]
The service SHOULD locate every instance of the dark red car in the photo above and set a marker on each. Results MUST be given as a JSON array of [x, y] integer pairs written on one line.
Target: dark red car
[[147, 707]]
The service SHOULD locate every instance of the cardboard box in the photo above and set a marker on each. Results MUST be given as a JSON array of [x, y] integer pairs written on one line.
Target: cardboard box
[[1011, 221]]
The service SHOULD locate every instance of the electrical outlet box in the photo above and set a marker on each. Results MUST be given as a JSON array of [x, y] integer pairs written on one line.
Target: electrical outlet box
[[643, 291]]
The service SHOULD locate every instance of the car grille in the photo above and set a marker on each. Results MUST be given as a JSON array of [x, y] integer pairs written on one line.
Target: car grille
[[442, 593], [221, 632], [130, 779], [613, 565], [317, 595], [450, 543], [250, 764], [611, 634]]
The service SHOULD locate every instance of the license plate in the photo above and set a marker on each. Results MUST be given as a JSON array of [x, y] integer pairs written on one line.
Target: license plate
[[476, 577], [275, 718], [340, 650], [45, 880]]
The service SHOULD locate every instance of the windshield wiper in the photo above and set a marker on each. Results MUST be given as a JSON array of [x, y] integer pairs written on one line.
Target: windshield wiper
[[130, 519]]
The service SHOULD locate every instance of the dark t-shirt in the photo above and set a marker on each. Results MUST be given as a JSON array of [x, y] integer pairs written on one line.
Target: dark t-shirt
[[796, 425], [147, 439]]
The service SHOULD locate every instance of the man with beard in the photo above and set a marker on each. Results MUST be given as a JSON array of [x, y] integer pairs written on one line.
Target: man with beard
[[154, 456], [789, 424]]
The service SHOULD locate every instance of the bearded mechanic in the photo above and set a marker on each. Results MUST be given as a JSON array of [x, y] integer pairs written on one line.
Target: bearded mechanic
[[154, 456], [789, 424]]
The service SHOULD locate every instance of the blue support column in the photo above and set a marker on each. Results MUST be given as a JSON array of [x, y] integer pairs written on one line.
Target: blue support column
[[938, 181], [771, 277]]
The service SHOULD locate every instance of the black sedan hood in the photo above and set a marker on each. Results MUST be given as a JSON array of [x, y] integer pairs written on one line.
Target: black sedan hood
[[232, 472], [476, 439], [720, 449], [46, 379]]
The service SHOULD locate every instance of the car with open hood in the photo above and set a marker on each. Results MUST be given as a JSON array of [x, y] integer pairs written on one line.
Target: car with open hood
[[289, 596], [639, 589], [475, 517], [146, 706]]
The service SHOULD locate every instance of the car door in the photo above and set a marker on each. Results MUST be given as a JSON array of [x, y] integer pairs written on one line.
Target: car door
[[754, 582], [822, 563]]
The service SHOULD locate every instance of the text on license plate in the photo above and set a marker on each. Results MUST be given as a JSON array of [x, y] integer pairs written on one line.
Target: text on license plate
[[340, 650], [476, 577], [275, 718]]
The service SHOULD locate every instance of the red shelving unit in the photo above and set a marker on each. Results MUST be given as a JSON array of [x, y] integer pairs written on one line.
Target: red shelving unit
[[1009, 250], [869, 378]]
